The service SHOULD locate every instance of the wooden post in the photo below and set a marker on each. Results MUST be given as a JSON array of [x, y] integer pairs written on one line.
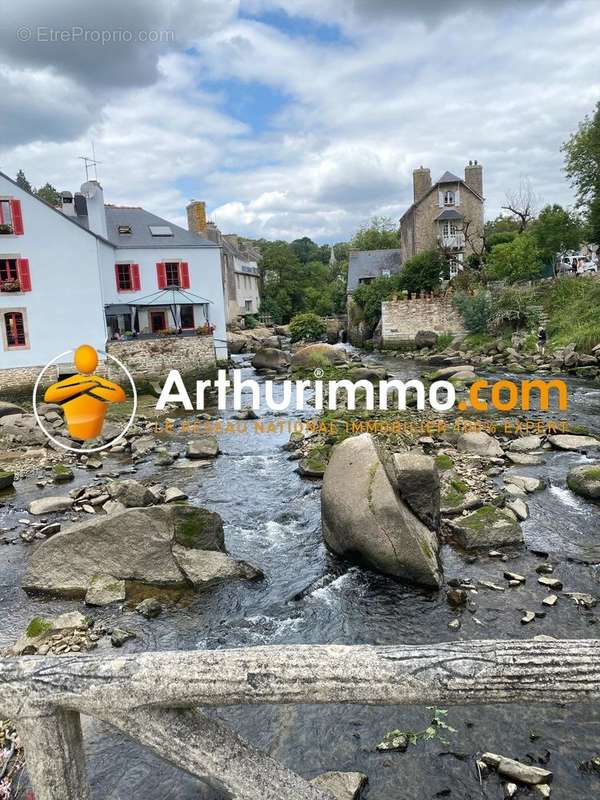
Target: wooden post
[[54, 753]]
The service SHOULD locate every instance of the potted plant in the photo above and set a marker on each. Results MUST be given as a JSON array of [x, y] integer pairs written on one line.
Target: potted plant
[[5, 227], [205, 330], [12, 285]]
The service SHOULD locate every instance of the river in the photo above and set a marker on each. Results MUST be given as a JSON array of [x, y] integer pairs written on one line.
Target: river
[[272, 519]]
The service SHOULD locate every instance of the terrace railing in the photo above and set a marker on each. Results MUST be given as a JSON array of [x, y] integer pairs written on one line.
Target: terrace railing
[[153, 697]]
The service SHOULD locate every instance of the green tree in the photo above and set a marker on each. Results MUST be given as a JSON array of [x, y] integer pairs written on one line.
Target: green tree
[[501, 230], [582, 165], [423, 272], [475, 309], [22, 181], [369, 296], [380, 234], [556, 229], [306, 250], [515, 261], [49, 194]]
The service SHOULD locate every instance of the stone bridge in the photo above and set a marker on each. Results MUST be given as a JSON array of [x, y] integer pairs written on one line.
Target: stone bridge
[[154, 697]]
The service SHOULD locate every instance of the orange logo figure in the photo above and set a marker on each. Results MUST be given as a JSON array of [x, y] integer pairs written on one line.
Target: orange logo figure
[[85, 397]]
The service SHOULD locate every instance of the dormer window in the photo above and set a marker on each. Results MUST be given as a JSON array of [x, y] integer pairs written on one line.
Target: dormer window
[[449, 198]]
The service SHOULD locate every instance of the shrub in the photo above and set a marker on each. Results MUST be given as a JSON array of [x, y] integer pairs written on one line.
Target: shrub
[[518, 260], [307, 326], [423, 272], [251, 321], [514, 309], [476, 310]]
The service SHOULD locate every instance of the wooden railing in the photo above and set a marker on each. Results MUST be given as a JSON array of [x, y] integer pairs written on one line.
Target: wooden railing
[[152, 696]]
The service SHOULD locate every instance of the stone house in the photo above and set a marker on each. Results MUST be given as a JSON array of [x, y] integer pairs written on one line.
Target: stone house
[[239, 266], [447, 215]]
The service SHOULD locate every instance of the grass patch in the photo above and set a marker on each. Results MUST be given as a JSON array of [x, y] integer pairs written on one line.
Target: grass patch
[[444, 340], [37, 627], [443, 462], [572, 305]]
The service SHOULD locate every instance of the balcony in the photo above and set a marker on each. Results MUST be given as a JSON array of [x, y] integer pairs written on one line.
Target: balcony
[[455, 241]]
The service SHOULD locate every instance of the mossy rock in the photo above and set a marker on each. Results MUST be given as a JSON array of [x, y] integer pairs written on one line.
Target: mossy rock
[[198, 528], [488, 527], [585, 481], [443, 462], [37, 627], [6, 479], [62, 473], [315, 464]]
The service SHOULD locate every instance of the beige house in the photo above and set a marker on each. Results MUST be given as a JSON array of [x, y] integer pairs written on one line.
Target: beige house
[[446, 215]]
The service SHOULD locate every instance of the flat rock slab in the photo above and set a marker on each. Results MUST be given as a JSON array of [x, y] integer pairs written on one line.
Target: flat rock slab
[[205, 568], [49, 505], [525, 444], [342, 785], [202, 448], [516, 771], [488, 527], [567, 441], [481, 444], [585, 481], [104, 590]]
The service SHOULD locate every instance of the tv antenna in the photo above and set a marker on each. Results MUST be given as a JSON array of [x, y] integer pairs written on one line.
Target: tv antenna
[[89, 163]]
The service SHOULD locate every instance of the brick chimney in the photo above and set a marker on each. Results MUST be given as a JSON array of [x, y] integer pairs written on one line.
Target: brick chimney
[[474, 177], [421, 182], [196, 217]]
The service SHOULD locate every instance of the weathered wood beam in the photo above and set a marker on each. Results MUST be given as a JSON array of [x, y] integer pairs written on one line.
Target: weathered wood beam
[[525, 671], [54, 754], [209, 750]]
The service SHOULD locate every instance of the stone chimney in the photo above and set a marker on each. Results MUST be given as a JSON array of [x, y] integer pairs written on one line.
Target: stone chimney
[[421, 182], [96, 213], [233, 240], [474, 177], [67, 206], [196, 216], [213, 233]]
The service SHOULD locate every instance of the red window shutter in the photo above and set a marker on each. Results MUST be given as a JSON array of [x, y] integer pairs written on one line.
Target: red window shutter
[[161, 274], [136, 284], [184, 275], [24, 275], [17, 217], [117, 278]]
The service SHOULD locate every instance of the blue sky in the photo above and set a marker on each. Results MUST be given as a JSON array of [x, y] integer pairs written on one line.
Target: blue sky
[[298, 117]]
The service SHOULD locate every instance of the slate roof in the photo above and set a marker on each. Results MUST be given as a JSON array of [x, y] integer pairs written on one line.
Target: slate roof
[[450, 177], [140, 220], [372, 264], [449, 213]]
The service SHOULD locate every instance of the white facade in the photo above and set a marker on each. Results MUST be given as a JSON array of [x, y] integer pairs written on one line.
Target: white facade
[[57, 279], [247, 284], [63, 309]]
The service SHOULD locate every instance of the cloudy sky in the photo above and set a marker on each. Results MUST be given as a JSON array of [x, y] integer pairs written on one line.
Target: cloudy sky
[[294, 117]]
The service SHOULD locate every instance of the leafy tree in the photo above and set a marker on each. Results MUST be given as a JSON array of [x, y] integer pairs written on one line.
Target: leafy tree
[[380, 234], [555, 230], [369, 296], [501, 230], [515, 261], [49, 194], [307, 326], [423, 272], [22, 181], [306, 250], [582, 165]]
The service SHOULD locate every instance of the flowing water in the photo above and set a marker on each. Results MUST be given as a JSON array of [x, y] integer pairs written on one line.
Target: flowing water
[[272, 519]]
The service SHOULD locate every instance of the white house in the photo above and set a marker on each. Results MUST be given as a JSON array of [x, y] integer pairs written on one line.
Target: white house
[[84, 271]]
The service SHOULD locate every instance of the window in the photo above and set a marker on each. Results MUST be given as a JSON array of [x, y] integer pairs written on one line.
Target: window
[[187, 317], [14, 275], [248, 305], [449, 228], [14, 329], [173, 274], [127, 277], [160, 230], [449, 198], [123, 229], [11, 219], [172, 269], [365, 280]]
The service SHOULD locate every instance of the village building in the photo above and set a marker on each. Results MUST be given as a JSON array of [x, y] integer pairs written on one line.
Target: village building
[[447, 215], [239, 266], [366, 265], [90, 272]]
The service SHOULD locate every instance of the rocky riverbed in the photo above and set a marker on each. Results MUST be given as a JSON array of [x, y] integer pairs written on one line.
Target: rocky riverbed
[[272, 520]]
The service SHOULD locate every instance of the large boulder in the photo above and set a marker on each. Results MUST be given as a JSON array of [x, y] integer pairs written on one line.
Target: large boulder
[[7, 408], [313, 355], [488, 527], [134, 545], [585, 480], [7, 478], [426, 339], [236, 343], [203, 447], [525, 444], [447, 372], [480, 444], [365, 519], [271, 358]]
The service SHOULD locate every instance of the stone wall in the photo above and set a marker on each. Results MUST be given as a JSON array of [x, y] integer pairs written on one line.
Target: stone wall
[[20, 380], [401, 320], [153, 358]]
